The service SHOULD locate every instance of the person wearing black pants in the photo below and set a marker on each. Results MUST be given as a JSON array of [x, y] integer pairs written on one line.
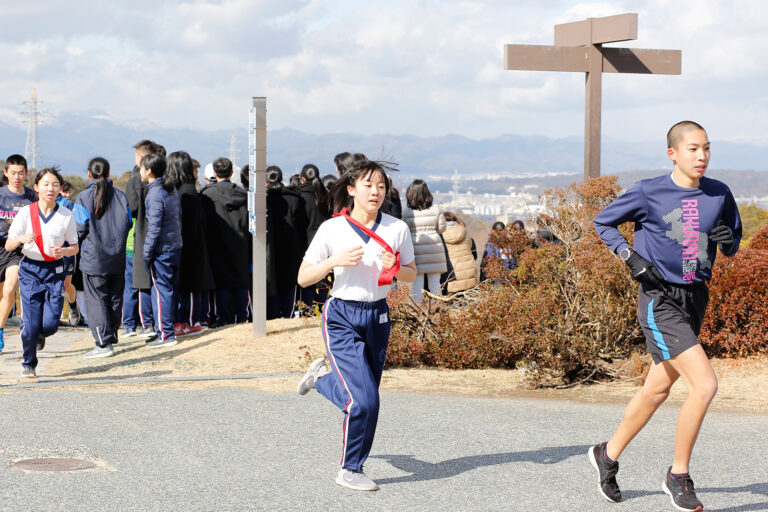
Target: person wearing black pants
[[103, 220]]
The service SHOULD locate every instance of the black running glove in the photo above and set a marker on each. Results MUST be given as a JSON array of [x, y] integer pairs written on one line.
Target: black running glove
[[722, 235], [643, 271]]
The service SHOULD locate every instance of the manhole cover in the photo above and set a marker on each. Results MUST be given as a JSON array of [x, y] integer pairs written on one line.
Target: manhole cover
[[54, 464]]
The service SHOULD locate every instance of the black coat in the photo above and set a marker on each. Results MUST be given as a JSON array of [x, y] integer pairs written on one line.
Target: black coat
[[315, 216], [195, 272], [225, 206], [136, 191], [286, 238]]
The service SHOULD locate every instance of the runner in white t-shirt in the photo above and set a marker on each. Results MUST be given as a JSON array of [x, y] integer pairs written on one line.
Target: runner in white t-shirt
[[365, 249], [47, 233]]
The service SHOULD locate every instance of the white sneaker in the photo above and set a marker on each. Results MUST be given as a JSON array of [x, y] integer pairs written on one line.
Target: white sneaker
[[316, 370], [105, 351], [356, 480]]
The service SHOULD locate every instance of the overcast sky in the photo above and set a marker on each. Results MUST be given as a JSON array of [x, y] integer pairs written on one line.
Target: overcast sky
[[422, 67]]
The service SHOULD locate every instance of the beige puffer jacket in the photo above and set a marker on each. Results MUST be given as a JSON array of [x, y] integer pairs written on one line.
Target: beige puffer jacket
[[426, 226], [459, 246]]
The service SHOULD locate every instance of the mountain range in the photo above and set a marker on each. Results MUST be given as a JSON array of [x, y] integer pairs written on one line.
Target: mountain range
[[70, 139]]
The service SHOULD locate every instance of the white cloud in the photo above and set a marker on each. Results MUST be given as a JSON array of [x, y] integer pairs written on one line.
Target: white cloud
[[399, 66]]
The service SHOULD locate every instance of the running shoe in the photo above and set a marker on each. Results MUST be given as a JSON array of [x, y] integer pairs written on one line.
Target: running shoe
[[40, 342], [316, 370], [129, 333], [147, 332], [681, 492], [74, 315], [105, 351], [356, 480], [606, 473], [28, 372], [159, 342]]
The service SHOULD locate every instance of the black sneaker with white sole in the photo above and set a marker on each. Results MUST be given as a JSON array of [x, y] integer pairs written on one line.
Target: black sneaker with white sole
[[606, 473], [681, 492], [40, 342]]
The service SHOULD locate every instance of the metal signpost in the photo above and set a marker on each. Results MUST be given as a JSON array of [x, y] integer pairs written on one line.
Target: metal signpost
[[579, 47], [257, 210]]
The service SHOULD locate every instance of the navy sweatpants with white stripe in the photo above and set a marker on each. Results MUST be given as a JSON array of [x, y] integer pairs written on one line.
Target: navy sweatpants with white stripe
[[164, 270], [41, 288], [356, 335]]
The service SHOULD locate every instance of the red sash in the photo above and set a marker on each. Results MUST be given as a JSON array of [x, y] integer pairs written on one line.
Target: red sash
[[34, 217], [386, 276]]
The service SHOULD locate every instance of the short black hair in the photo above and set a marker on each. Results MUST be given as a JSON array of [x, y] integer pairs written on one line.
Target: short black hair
[[156, 163], [15, 160], [222, 168], [49, 170]]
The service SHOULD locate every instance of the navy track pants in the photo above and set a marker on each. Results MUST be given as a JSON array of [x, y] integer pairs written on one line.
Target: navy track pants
[[41, 288], [137, 304], [163, 272], [356, 335]]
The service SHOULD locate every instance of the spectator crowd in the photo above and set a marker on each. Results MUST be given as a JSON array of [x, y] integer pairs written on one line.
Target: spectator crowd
[[166, 258]]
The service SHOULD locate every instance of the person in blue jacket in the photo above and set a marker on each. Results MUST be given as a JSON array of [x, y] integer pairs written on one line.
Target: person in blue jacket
[[680, 220], [162, 245], [103, 220]]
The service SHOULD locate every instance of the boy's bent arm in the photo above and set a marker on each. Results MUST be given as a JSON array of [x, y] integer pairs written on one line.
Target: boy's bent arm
[[629, 207]]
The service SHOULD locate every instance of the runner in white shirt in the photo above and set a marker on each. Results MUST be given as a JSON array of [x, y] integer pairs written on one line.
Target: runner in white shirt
[[47, 233], [365, 250]]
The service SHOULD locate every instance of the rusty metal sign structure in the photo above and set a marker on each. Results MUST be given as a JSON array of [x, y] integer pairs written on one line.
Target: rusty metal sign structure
[[54, 464], [579, 47]]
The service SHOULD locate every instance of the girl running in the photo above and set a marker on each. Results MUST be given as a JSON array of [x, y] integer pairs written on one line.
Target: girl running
[[103, 220], [366, 249], [46, 233]]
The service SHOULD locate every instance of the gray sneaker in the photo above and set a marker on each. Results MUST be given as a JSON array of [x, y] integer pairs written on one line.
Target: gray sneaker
[[356, 480], [147, 332], [104, 351], [316, 370], [129, 333], [159, 342], [28, 372]]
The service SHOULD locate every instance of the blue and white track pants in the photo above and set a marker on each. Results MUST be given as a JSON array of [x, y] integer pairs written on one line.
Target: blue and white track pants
[[356, 335]]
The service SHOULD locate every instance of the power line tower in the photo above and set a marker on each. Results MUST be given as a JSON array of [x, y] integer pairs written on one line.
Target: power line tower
[[456, 184], [233, 150], [32, 149]]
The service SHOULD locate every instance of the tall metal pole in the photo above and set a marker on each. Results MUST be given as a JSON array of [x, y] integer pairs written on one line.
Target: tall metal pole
[[257, 202]]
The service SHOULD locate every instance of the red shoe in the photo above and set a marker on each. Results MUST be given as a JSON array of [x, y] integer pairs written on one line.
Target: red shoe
[[193, 329], [179, 329]]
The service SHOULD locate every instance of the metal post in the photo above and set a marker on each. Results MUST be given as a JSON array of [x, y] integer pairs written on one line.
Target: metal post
[[257, 191]]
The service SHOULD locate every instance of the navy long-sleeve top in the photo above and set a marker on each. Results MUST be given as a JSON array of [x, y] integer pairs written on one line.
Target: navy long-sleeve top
[[163, 221], [672, 225]]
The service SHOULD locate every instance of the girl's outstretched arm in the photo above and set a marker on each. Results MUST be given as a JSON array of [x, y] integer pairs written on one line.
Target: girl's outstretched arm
[[310, 274]]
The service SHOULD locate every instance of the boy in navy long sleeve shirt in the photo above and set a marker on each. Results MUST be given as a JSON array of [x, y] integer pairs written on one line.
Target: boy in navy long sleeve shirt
[[162, 245], [680, 220]]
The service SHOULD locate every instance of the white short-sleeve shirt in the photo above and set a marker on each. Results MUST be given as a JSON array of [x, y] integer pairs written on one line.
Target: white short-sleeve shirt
[[58, 228], [360, 283]]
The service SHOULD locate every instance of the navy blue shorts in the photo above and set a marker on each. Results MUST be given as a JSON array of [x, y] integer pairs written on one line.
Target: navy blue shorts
[[671, 317]]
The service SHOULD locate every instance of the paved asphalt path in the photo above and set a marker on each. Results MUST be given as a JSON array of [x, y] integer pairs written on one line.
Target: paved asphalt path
[[236, 449]]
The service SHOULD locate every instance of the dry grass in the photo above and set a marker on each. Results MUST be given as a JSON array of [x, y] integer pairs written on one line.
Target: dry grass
[[291, 344]]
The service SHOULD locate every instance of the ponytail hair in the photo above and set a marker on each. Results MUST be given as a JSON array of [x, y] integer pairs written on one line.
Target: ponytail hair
[[338, 196], [311, 174], [98, 168], [274, 178]]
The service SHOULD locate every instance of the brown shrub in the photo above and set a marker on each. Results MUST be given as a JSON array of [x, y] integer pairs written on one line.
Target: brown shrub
[[736, 324], [558, 313]]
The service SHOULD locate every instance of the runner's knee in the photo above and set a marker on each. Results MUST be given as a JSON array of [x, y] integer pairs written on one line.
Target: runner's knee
[[706, 389]]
